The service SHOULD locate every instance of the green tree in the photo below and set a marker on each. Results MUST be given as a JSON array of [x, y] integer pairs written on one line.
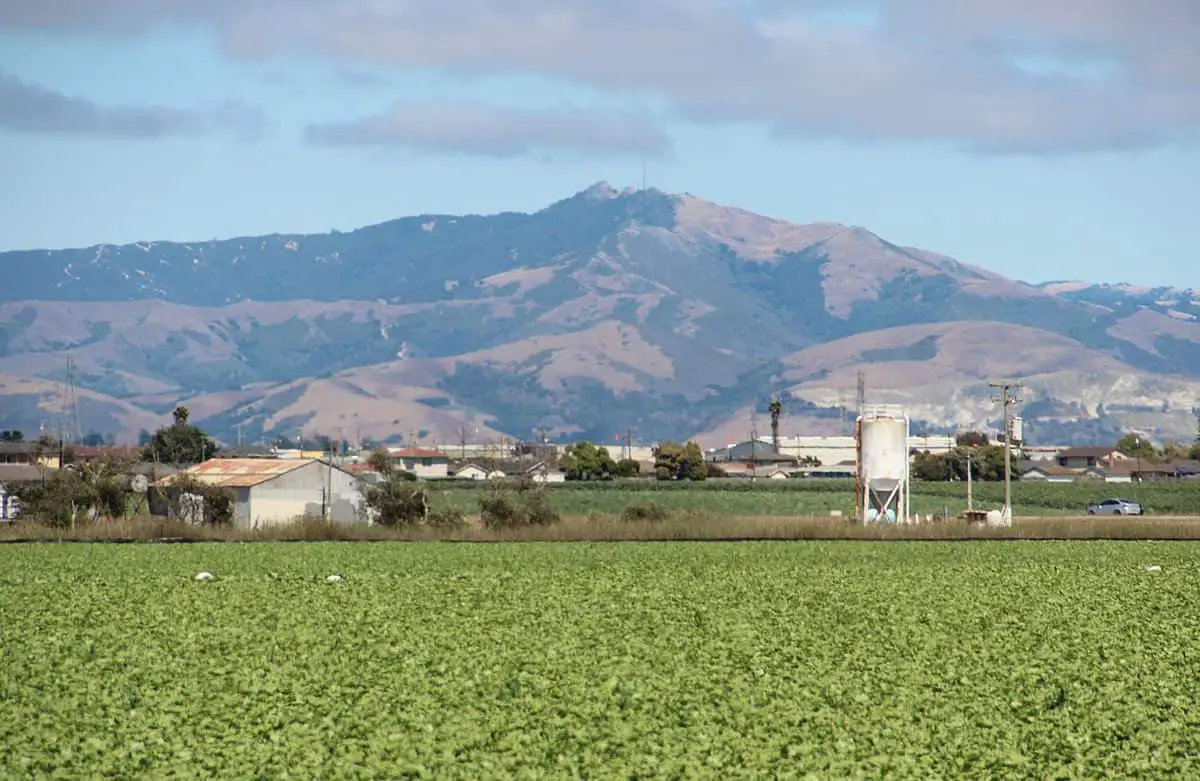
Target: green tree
[[586, 461], [197, 502], [398, 502], [627, 467], [1137, 446], [381, 461], [69, 496], [12, 435], [987, 465], [971, 438], [776, 410], [673, 461], [179, 443]]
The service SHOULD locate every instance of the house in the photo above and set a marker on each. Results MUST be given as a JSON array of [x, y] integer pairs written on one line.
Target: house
[[470, 471], [1084, 457], [12, 476], [29, 453], [845, 470], [538, 471], [760, 472], [270, 491], [1042, 453], [86, 454], [1049, 473], [1189, 469], [544, 472], [750, 452], [422, 462]]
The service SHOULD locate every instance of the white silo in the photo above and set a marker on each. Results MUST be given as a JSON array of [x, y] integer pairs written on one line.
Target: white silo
[[882, 492]]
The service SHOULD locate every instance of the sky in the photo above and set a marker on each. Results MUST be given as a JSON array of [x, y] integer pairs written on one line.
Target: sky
[[1043, 139]]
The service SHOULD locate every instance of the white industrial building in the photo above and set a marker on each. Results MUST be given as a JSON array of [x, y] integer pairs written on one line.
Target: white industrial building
[[842, 450], [270, 492]]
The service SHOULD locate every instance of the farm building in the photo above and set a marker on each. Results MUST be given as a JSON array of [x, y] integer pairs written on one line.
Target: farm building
[[13, 476], [421, 462], [275, 491]]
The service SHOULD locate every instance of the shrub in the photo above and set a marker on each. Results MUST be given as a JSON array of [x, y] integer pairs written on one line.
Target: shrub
[[503, 508], [446, 518], [200, 503], [397, 501], [627, 467], [645, 511]]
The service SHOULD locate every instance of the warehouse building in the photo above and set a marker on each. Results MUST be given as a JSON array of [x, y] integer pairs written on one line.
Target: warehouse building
[[270, 491]]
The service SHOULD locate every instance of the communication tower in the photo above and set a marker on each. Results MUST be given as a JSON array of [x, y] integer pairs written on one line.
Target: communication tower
[[882, 479]]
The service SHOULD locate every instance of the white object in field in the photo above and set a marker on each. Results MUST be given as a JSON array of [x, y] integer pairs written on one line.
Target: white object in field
[[883, 464], [1002, 517], [139, 484], [203, 576], [334, 578], [1154, 568]]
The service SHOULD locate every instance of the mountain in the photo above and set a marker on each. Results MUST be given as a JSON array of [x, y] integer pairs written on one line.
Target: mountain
[[605, 310]]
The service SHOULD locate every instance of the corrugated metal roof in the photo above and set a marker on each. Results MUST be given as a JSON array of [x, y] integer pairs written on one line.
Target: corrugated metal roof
[[240, 472]]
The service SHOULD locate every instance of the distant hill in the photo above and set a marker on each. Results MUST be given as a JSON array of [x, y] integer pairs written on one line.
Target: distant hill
[[606, 310]]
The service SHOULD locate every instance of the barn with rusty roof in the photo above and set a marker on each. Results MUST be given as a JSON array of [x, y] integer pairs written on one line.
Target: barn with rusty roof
[[275, 491]]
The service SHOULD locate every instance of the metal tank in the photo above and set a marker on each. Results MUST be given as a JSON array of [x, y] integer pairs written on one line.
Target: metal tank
[[882, 483]]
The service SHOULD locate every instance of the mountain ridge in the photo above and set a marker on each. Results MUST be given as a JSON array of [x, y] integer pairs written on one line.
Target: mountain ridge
[[602, 310]]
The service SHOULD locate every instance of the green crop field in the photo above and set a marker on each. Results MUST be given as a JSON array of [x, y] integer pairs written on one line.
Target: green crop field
[[819, 497], [669, 660]]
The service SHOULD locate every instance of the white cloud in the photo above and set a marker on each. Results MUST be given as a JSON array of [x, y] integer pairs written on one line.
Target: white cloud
[[33, 108], [494, 130], [927, 70]]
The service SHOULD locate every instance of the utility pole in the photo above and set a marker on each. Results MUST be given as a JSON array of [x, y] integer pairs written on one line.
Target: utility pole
[[970, 502], [861, 401], [627, 449], [1008, 398], [327, 511], [753, 448]]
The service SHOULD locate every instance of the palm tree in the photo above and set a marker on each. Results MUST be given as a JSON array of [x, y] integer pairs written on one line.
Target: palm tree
[[776, 409]]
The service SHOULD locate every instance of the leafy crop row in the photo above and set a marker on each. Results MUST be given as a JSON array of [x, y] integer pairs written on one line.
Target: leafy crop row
[[819, 497], [708, 660]]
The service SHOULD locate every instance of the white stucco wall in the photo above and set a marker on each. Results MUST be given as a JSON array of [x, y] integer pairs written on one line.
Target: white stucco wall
[[299, 493]]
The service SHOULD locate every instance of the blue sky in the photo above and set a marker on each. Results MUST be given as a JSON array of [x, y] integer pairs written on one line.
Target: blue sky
[[1045, 140]]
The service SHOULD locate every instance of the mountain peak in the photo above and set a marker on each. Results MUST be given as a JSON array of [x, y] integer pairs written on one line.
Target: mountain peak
[[600, 191]]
